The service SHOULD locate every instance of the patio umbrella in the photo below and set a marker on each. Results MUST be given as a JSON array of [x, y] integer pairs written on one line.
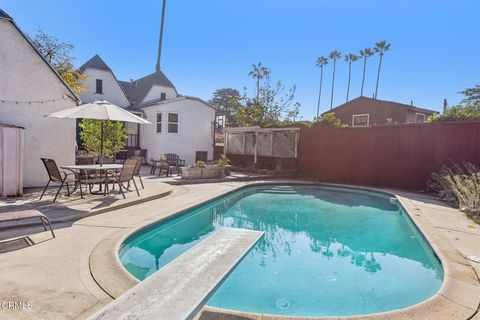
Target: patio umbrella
[[99, 110]]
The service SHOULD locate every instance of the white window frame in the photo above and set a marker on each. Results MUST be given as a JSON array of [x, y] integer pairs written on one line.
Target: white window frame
[[422, 114], [361, 115], [178, 123], [161, 123]]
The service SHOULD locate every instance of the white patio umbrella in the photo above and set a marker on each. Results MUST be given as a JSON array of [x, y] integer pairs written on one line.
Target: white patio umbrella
[[99, 110]]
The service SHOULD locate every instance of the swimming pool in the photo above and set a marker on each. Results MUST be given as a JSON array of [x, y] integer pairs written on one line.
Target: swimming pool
[[326, 251]]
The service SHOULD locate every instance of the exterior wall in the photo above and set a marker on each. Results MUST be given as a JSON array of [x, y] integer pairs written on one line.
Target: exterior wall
[[26, 77], [377, 115], [156, 91], [111, 89], [194, 134]]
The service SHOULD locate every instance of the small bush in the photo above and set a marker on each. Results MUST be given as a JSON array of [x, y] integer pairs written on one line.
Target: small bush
[[200, 164], [469, 111], [460, 186], [329, 120], [223, 161]]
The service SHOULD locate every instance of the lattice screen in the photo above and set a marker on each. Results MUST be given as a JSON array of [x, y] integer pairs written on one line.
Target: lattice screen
[[273, 143]]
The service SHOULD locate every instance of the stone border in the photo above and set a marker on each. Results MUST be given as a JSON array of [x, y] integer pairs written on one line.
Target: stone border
[[458, 297]]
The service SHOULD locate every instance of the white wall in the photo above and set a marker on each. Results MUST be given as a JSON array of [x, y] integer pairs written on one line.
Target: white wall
[[111, 89], [155, 92], [195, 130], [24, 76]]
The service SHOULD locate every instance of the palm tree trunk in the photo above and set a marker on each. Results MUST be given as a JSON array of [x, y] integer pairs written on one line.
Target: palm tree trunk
[[258, 88], [320, 92], [363, 77], [378, 74], [349, 78], [333, 84]]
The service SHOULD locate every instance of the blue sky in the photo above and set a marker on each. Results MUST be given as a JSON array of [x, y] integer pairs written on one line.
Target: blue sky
[[211, 44]]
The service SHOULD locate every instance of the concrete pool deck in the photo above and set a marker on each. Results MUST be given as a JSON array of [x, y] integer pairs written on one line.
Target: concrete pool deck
[[75, 274]]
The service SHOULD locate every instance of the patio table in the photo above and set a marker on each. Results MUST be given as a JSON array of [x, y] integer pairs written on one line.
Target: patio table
[[100, 169]]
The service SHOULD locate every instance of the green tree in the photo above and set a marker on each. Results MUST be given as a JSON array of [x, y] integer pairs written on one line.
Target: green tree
[[259, 72], [380, 47], [467, 111], [321, 62], [224, 100], [329, 120], [58, 54], [114, 136], [334, 55], [350, 58], [365, 54], [472, 95], [275, 104]]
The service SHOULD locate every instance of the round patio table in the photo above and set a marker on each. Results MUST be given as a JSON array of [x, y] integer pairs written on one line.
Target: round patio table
[[100, 169]]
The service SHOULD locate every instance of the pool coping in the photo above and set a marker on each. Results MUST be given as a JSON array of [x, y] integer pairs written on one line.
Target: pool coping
[[458, 297]]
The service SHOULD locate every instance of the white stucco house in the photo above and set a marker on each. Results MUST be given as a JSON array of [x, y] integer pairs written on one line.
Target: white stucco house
[[29, 89], [181, 124]]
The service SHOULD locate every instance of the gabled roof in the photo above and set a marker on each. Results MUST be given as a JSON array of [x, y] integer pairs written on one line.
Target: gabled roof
[[5, 16], [382, 104], [96, 63], [137, 90]]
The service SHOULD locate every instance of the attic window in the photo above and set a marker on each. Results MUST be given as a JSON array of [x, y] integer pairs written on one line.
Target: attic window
[[99, 86], [163, 96], [360, 120]]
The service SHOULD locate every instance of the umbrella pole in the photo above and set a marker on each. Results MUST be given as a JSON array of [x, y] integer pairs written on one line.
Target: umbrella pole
[[101, 143]]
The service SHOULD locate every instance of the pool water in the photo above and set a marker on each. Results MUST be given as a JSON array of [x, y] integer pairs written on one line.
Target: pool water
[[326, 251]]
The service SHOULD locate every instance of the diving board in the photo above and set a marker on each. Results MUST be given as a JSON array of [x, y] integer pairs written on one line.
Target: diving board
[[181, 288]]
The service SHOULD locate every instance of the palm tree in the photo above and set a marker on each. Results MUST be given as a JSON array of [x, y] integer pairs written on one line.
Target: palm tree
[[334, 55], [365, 53], [350, 58], [321, 62], [380, 47], [259, 72]]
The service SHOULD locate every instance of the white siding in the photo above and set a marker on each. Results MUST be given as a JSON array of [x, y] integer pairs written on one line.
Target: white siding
[[111, 89], [26, 77], [155, 92], [195, 130]]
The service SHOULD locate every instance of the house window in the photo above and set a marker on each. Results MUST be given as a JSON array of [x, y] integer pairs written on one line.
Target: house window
[[419, 118], [360, 120], [159, 122], [163, 96], [201, 156], [99, 86], [173, 123]]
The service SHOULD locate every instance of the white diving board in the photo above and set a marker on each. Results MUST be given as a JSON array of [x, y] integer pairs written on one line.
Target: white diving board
[[181, 288]]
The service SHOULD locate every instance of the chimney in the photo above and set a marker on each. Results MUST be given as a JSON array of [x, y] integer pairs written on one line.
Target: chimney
[[411, 103], [160, 39]]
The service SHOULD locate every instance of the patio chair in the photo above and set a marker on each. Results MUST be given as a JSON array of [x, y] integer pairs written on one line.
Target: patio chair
[[137, 170], [55, 176], [125, 175], [143, 154], [175, 162]]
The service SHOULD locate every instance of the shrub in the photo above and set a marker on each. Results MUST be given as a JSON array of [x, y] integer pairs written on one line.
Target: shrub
[[223, 161], [469, 111], [459, 185], [329, 120], [200, 164], [114, 136]]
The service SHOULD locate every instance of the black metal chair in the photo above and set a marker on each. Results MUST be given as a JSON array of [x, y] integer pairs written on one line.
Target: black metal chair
[[55, 176]]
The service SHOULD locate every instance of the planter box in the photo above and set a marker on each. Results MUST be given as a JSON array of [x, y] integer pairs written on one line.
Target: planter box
[[209, 172]]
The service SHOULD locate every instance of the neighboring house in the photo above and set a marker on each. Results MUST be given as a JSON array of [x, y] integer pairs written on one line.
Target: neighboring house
[[181, 124], [363, 111], [29, 89]]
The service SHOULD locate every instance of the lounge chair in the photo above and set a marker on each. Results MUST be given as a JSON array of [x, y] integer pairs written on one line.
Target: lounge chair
[[55, 176], [125, 175], [27, 214]]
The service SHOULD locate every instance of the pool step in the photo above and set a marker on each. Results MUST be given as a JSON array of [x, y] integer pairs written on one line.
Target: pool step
[[181, 288]]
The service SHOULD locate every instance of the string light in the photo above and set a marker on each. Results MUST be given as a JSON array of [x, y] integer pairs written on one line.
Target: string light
[[65, 97]]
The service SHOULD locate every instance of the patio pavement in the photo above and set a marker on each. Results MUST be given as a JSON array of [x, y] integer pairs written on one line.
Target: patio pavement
[[54, 274]]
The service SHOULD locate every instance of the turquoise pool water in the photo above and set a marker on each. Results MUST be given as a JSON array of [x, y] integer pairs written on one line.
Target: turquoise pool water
[[326, 251]]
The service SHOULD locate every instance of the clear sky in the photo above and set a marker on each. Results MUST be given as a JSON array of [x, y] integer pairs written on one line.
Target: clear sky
[[211, 44]]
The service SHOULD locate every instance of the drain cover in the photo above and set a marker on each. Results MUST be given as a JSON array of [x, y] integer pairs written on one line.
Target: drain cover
[[282, 303]]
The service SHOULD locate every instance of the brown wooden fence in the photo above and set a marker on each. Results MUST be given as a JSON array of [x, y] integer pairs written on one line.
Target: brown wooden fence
[[400, 156]]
